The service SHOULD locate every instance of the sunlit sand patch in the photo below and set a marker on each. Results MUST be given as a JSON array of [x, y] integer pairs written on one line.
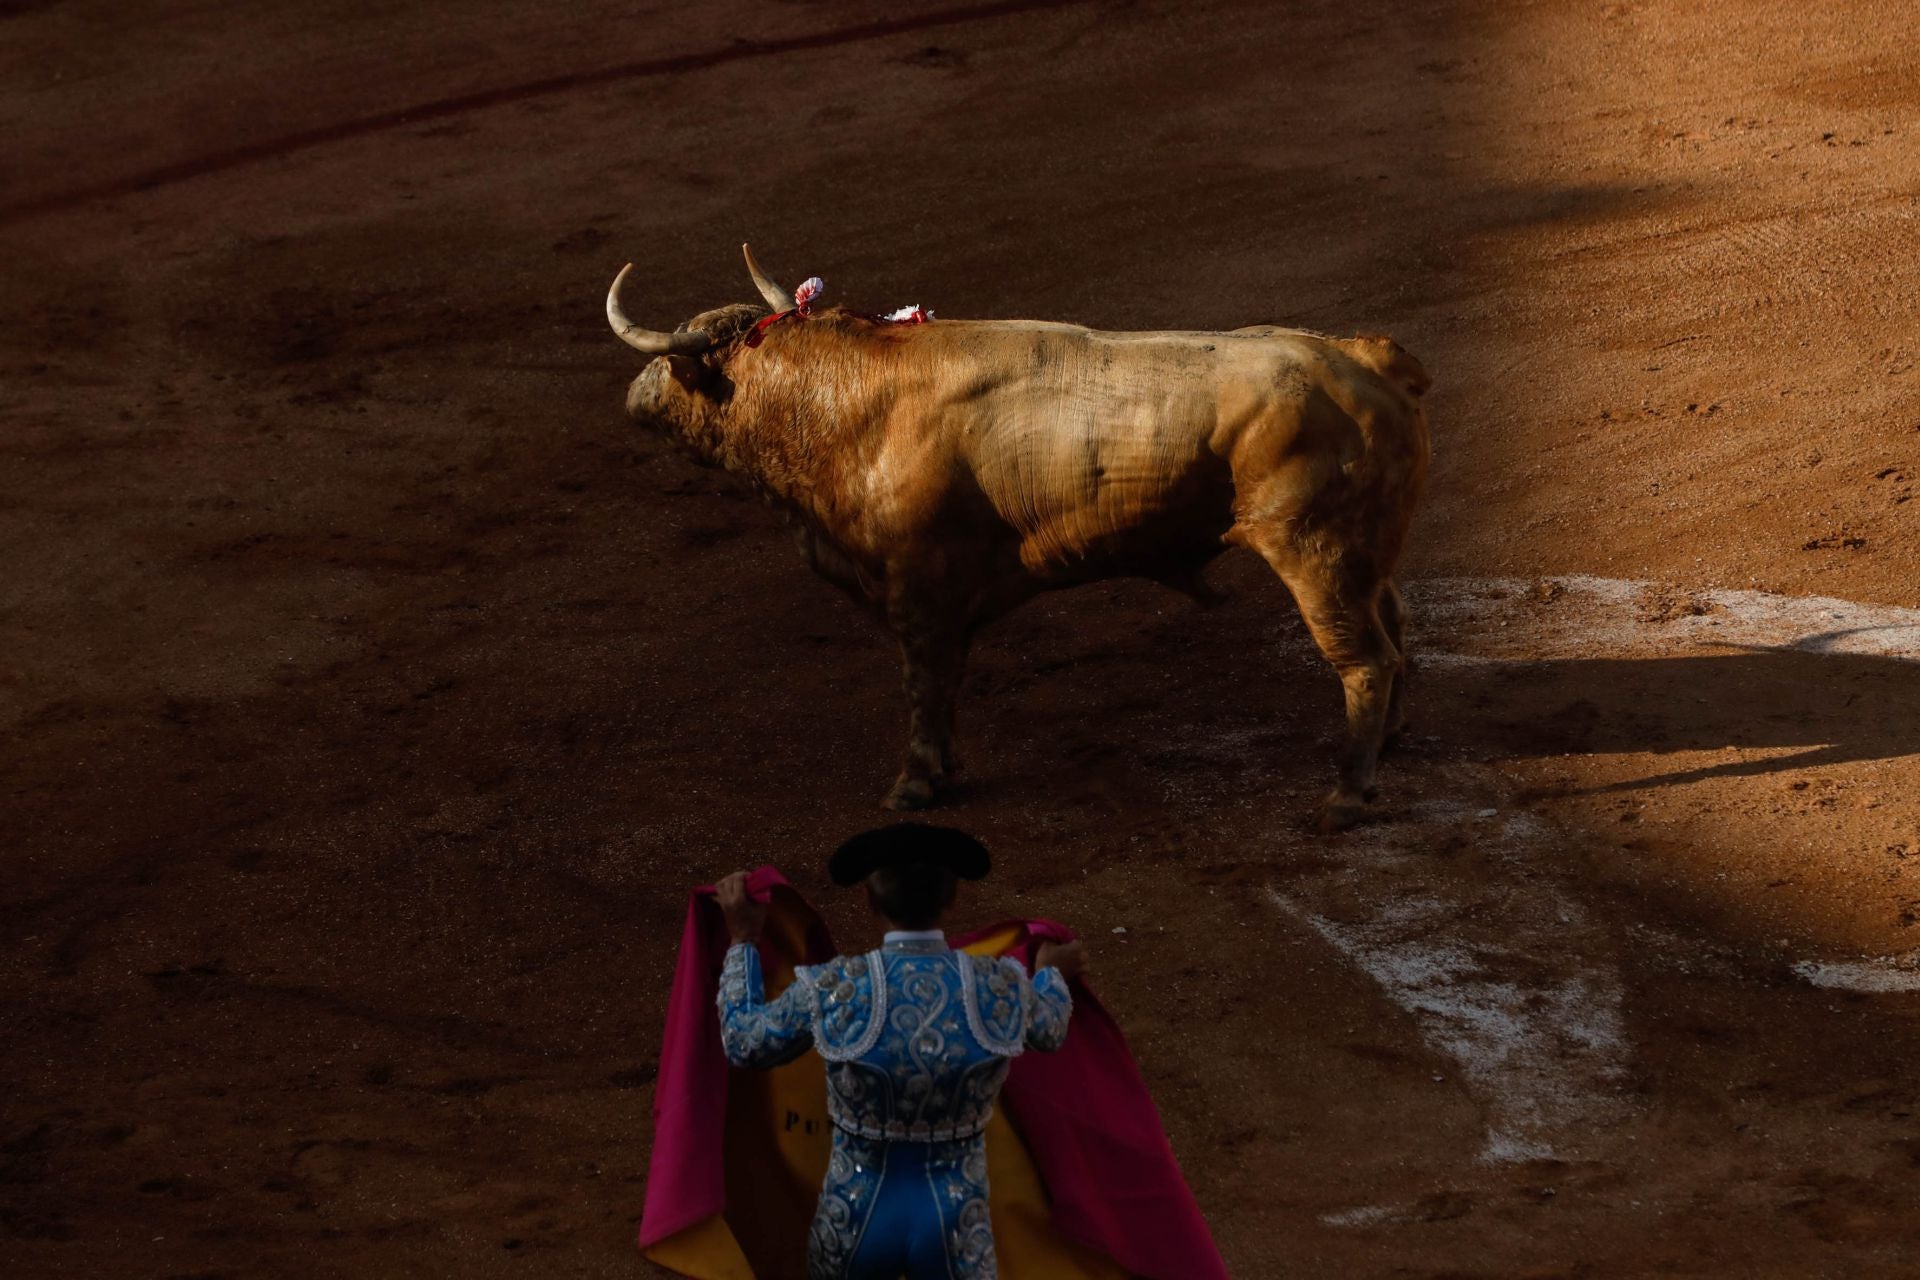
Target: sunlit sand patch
[[1505, 974]]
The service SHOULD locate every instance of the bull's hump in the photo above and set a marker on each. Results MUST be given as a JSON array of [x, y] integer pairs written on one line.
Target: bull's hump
[[1006, 346], [1197, 338]]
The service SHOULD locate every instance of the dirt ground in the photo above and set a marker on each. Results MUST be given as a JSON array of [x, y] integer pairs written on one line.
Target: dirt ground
[[374, 692]]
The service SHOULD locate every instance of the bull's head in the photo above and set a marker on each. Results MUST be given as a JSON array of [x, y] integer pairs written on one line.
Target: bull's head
[[682, 388]]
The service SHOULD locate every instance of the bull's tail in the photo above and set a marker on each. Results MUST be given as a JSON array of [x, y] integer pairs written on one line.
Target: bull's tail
[[1391, 361]]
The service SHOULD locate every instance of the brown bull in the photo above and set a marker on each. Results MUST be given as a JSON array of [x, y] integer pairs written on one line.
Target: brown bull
[[943, 473]]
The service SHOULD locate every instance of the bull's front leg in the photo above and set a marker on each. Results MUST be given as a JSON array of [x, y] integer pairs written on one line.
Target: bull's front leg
[[934, 650]]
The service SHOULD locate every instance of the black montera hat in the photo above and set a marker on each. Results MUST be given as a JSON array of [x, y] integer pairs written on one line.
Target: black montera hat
[[908, 842]]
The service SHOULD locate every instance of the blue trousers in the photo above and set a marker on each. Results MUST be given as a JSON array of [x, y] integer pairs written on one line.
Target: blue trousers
[[912, 1209]]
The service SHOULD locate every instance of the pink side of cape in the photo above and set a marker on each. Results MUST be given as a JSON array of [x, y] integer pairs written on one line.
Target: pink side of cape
[[1084, 1112], [686, 1177], [1094, 1135]]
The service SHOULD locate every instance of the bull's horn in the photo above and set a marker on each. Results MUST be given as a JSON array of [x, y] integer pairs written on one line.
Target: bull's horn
[[777, 298], [650, 341]]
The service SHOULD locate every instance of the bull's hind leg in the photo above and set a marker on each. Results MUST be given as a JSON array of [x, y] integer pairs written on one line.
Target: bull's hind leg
[[1343, 613], [935, 654], [1345, 623], [1393, 616]]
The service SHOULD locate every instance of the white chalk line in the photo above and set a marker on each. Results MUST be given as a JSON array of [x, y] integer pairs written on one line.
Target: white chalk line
[[1366, 1215], [1876, 976], [1545, 1048], [1490, 619], [1497, 978]]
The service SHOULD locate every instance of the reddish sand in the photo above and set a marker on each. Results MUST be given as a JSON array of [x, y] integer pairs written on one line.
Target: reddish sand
[[374, 691]]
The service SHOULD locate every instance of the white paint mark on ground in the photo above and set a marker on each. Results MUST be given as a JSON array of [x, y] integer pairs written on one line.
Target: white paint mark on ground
[[1476, 619], [1366, 1215], [1504, 977], [1505, 973], [1885, 974]]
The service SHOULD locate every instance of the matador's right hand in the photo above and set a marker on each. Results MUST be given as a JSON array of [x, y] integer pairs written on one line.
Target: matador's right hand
[[745, 918]]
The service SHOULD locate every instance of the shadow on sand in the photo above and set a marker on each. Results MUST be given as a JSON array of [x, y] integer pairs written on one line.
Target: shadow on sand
[[1804, 708]]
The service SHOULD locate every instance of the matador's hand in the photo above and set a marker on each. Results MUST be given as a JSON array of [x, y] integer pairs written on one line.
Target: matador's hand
[[745, 918], [1070, 958]]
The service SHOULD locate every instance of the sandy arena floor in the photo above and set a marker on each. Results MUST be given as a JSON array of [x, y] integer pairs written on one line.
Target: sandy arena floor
[[373, 692]]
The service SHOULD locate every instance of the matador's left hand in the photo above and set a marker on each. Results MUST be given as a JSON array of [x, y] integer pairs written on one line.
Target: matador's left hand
[[1070, 958]]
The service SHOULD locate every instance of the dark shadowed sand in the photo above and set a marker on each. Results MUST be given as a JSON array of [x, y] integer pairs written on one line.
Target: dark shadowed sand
[[373, 692]]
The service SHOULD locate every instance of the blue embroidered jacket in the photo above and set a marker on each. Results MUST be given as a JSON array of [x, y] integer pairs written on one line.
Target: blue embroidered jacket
[[917, 1040], [917, 1037]]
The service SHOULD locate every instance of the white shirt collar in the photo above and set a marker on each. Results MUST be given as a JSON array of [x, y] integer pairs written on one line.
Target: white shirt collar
[[914, 935]]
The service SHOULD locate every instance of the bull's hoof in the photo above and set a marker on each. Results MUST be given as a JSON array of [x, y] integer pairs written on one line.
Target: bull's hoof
[[909, 794], [1340, 813]]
